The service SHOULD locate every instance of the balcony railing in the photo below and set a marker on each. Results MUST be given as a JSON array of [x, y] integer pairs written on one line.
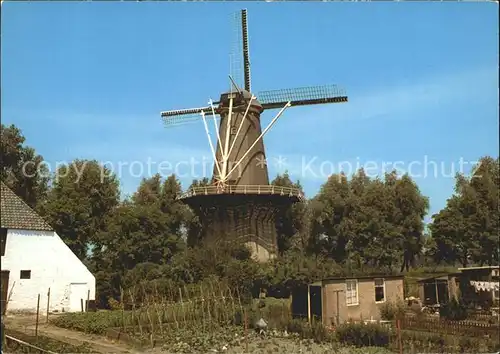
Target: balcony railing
[[244, 189]]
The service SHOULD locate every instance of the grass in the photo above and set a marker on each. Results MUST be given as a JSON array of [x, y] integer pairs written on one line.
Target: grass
[[45, 343]]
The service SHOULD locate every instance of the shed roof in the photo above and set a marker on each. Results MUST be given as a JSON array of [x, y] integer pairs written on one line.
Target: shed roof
[[16, 214], [443, 277], [365, 277], [479, 268]]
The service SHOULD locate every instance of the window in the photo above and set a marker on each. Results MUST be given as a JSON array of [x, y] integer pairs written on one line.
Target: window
[[379, 290], [351, 293], [3, 240], [25, 274]]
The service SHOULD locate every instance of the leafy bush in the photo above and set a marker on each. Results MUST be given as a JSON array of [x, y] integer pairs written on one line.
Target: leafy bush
[[453, 311], [89, 322], [296, 326], [427, 341], [468, 344], [315, 331], [392, 310], [114, 304], [363, 335], [320, 333]]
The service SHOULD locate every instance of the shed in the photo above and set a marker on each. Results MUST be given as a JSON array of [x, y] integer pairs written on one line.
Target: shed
[[438, 289], [337, 300], [479, 286]]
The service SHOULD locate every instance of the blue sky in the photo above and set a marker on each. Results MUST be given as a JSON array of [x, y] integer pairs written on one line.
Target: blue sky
[[88, 80]]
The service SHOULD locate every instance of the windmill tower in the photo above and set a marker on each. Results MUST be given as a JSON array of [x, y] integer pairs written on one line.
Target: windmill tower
[[240, 203]]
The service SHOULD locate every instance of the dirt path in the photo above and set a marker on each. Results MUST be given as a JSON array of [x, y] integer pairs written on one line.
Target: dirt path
[[98, 344]]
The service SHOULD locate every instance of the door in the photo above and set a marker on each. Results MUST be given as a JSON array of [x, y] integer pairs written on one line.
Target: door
[[4, 290], [77, 296], [316, 302]]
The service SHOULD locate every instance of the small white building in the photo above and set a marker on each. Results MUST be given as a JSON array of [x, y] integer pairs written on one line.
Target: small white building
[[35, 260]]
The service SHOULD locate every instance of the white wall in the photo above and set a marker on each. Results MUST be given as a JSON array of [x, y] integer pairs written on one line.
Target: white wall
[[53, 265]]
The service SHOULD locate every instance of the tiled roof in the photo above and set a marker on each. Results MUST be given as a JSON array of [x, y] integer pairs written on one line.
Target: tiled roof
[[16, 214]]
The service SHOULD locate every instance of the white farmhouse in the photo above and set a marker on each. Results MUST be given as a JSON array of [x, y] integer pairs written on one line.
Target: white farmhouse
[[35, 259]]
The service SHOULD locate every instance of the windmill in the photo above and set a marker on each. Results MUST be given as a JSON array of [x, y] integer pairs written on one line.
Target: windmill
[[240, 203]]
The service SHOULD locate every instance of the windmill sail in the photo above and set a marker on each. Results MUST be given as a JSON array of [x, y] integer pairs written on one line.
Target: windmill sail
[[246, 53], [184, 116], [236, 69], [240, 54], [302, 96]]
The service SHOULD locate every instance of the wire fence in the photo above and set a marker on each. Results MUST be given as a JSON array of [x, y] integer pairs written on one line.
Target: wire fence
[[437, 325]]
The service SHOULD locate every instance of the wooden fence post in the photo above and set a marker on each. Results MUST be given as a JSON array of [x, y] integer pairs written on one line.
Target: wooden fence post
[[246, 330], [37, 316], [400, 344], [48, 305]]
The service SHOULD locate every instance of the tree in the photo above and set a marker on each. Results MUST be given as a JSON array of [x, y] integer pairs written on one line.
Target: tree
[[410, 209], [139, 234], [23, 170], [163, 196], [81, 199], [330, 212], [291, 223], [369, 222], [193, 223], [485, 181], [373, 232], [142, 235], [466, 230]]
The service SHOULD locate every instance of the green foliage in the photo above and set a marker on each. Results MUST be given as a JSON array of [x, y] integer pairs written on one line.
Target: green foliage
[[22, 170], [466, 230], [192, 222], [369, 222], [436, 342], [78, 206], [295, 270], [291, 223], [89, 322], [209, 303], [141, 237], [276, 313], [453, 310], [306, 330], [391, 310], [363, 335], [44, 342], [355, 225]]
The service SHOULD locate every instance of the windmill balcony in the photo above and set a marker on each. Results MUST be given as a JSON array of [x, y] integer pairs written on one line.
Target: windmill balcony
[[244, 189]]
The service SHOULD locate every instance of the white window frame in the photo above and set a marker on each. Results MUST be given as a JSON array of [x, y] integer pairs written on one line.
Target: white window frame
[[356, 302], [375, 286]]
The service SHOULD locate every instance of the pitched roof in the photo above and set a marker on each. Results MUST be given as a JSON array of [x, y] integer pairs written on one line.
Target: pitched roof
[[16, 214]]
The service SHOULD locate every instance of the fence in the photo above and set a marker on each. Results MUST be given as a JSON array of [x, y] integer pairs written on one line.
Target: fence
[[436, 325], [491, 316]]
